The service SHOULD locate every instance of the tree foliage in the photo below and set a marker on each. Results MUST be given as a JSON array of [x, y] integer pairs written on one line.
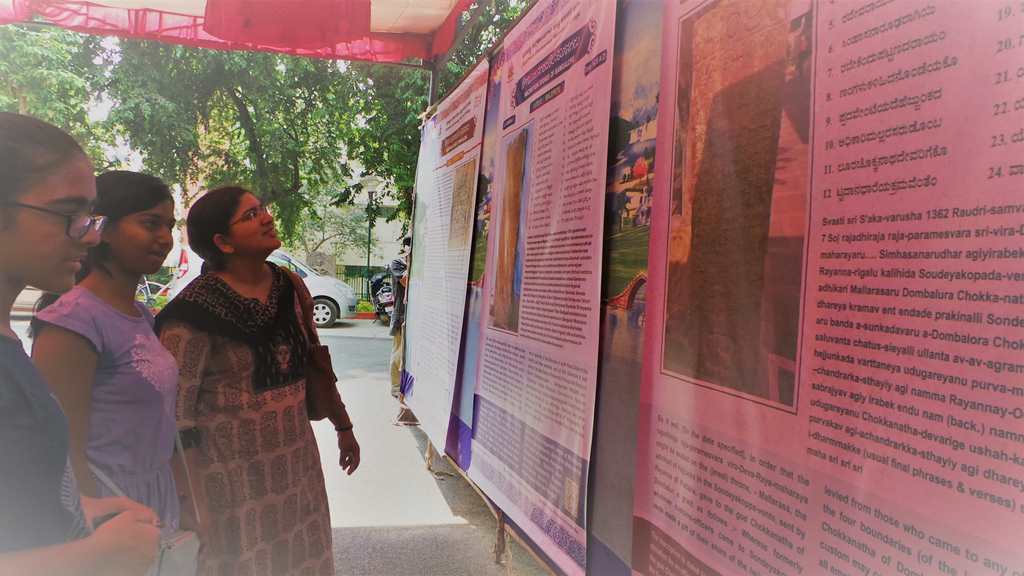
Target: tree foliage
[[396, 98], [330, 224], [277, 124], [392, 108], [483, 26], [53, 74], [286, 127]]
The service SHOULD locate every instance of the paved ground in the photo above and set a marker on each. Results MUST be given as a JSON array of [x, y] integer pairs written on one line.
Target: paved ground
[[393, 517], [358, 329]]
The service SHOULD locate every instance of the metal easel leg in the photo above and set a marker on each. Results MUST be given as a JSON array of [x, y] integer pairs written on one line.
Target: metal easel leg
[[429, 457], [501, 541]]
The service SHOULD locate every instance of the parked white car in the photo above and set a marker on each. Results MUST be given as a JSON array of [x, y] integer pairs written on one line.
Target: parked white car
[[332, 298], [25, 303]]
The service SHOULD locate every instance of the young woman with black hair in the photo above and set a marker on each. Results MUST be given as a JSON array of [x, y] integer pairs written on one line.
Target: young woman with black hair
[[119, 394], [243, 341], [47, 190]]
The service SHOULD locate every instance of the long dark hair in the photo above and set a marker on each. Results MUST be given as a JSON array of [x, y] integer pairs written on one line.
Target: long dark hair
[[209, 216], [119, 193], [30, 150]]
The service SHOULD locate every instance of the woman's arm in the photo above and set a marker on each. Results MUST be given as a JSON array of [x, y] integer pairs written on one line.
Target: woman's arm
[[125, 545], [68, 362], [348, 446], [94, 508], [336, 411]]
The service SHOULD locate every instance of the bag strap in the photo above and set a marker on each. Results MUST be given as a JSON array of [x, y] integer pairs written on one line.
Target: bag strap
[[105, 480], [180, 449], [306, 302]]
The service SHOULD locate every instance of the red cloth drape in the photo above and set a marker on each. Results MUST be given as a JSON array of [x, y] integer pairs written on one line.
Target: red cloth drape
[[14, 11], [236, 28], [308, 24]]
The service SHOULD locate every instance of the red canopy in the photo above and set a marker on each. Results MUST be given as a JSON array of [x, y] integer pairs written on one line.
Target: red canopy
[[377, 31]]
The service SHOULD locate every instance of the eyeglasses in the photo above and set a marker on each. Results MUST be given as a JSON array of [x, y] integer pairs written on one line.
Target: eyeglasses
[[252, 214], [77, 226]]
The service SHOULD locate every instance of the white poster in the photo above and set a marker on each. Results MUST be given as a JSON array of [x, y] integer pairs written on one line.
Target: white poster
[[446, 182], [536, 385]]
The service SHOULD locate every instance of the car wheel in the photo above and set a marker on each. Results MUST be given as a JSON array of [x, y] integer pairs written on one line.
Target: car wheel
[[325, 313]]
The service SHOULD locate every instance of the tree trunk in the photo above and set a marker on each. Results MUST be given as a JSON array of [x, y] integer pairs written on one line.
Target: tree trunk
[[255, 146], [22, 101]]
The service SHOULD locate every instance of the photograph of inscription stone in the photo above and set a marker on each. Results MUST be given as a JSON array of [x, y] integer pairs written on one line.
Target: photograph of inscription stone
[[739, 194], [463, 202], [508, 280]]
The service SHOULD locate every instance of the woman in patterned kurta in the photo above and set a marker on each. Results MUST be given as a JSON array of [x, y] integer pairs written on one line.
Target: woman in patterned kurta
[[255, 468]]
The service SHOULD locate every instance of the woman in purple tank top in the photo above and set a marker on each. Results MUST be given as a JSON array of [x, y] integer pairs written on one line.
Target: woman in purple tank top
[[119, 393]]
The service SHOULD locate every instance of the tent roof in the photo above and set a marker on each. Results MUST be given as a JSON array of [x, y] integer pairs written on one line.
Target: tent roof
[[373, 30]]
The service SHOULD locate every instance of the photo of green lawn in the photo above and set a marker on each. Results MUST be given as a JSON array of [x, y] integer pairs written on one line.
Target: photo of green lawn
[[626, 257]]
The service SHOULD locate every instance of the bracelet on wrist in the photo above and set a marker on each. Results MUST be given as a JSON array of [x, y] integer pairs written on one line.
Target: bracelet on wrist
[[345, 428]]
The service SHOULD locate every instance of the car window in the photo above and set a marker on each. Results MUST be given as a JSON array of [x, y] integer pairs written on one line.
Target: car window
[[302, 268], [287, 263]]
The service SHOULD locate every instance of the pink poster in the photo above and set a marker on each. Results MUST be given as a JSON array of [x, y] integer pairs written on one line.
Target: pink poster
[[536, 383], [833, 377]]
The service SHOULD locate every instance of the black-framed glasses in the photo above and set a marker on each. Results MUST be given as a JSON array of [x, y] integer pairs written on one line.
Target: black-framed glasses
[[77, 226], [252, 214]]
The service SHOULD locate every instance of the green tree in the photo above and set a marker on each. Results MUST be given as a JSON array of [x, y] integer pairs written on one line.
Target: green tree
[[388, 143], [54, 75], [281, 125], [277, 124], [328, 222], [395, 99], [483, 25]]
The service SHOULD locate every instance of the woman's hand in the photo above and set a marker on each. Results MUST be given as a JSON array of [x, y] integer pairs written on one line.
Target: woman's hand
[[129, 542], [349, 449], [96, 508]]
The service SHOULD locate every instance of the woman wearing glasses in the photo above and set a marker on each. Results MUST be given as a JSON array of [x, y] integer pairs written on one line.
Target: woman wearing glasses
[[241, 344], [47, 189], [120, 391]]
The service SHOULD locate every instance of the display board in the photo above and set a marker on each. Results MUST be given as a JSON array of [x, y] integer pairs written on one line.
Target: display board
[[535, 358], [833, 369], [628, 208], [460, 436], [446, 184]]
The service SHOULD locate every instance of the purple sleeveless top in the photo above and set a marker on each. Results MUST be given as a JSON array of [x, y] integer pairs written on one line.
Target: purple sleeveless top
[[132, 423]]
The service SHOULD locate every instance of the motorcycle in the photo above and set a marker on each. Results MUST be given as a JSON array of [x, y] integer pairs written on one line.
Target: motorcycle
[[382, 296]]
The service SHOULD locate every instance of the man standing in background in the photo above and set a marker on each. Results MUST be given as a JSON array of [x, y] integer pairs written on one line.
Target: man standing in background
[[399, 268]]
